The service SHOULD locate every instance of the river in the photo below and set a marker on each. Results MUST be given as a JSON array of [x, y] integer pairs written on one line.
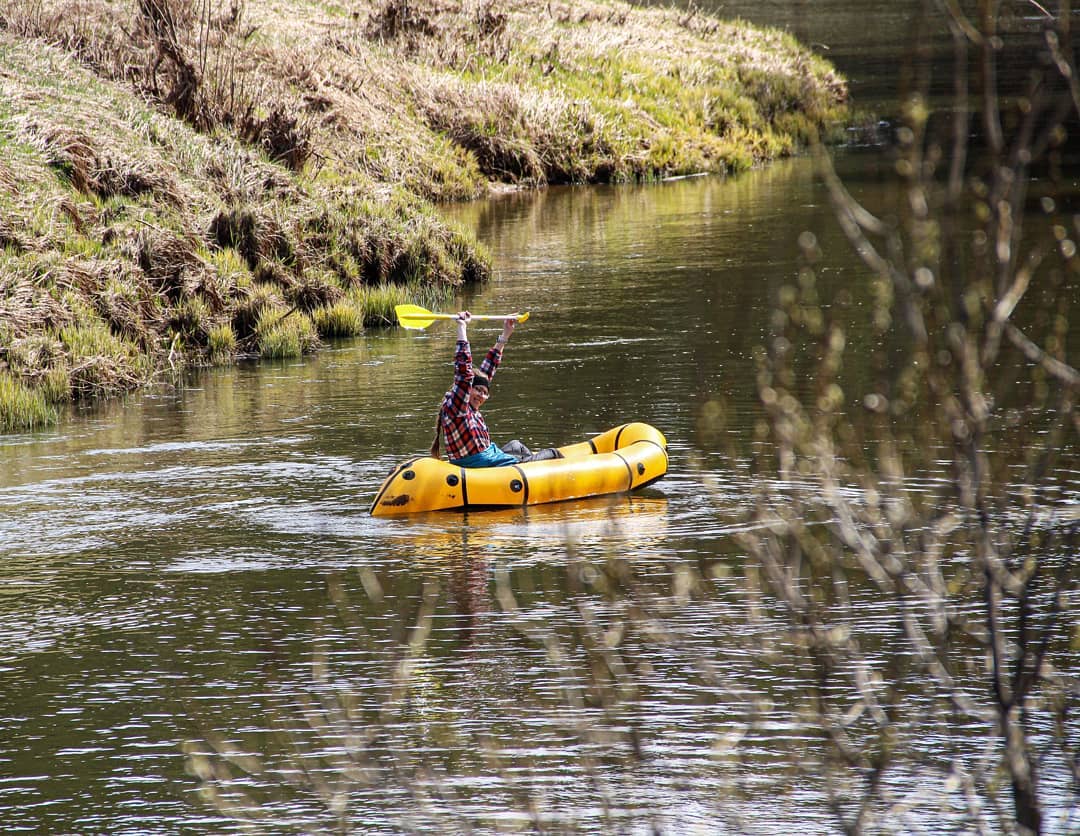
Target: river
[[192, 582]]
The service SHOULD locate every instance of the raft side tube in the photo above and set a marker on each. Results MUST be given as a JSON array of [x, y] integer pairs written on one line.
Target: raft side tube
[[622, 459], [557, 480], [389, 480]]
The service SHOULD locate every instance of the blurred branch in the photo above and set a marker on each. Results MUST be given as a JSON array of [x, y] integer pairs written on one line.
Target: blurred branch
[[1062, 371], [975, 570]]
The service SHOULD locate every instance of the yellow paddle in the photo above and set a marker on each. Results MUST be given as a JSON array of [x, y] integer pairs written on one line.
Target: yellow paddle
[[417, 318]]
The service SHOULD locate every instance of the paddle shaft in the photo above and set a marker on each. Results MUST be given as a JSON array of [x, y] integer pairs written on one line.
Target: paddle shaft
[[417, 318], [473, 317]]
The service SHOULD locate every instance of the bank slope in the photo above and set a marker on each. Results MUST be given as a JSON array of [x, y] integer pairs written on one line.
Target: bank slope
[[181, 184]]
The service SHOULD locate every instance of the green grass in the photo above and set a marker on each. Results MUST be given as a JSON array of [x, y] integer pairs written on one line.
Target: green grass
[[22, 408], [344, 318], [100, 362], [378, 303], [222, 344], [281, 337]]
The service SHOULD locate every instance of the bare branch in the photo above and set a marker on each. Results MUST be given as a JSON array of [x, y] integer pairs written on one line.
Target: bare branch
[[1062, 371], [960, 20], [1041, 8], [1065, 67]]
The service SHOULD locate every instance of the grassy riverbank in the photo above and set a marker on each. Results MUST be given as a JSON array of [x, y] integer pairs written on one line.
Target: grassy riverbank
[[186, 183]]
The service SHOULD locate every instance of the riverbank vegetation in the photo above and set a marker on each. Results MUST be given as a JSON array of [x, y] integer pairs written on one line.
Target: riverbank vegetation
[[191, 182]]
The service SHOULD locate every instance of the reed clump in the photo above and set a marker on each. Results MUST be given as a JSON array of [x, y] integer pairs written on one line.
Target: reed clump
[[285, 336], [341, 319], [23, 408], [178, 176]]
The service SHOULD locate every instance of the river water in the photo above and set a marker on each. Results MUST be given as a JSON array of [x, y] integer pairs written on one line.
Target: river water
[[192, 582]]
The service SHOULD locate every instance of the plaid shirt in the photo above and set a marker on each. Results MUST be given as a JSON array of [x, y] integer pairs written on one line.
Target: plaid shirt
[[464, 427]]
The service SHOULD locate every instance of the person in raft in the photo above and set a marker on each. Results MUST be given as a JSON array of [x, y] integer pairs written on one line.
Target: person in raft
[[468, 442]]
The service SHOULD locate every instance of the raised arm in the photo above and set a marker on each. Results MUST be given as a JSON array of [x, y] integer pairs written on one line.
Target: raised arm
[[458, 396], [494, 355], [463, 326], [508, 329]]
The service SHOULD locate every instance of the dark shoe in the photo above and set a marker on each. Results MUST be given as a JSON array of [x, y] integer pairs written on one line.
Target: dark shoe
[[544, 455]]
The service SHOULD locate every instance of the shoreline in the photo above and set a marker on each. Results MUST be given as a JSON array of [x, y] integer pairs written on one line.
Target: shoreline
[[180, 191]]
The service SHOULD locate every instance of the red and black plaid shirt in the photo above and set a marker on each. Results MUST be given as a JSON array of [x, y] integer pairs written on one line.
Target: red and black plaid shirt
[[464, 427]]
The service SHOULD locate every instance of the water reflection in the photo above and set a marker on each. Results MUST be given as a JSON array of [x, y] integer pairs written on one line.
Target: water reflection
[[564, 695]]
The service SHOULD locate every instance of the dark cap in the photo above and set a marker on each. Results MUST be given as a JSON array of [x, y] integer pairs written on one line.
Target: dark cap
[[481, 380]]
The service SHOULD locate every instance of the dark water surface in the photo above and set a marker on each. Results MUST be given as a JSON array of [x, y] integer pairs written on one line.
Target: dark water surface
[[196, 570]]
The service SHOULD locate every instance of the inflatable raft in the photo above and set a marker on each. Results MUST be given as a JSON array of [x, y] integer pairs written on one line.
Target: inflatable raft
[[620, 460]]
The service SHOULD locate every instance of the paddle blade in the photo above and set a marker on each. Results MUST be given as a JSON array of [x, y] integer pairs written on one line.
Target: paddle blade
[[414, 317]]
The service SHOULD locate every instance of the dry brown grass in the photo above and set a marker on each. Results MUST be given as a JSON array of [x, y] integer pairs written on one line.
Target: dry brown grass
[[379, 87]]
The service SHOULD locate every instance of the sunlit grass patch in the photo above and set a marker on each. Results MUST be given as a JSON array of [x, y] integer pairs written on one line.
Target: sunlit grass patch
[[390, 239], [22, 408], [221, 344], [38, 362], [378, 302], [283, 336], [255, 306], [233, 272], [344, 318], [55, 385]]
